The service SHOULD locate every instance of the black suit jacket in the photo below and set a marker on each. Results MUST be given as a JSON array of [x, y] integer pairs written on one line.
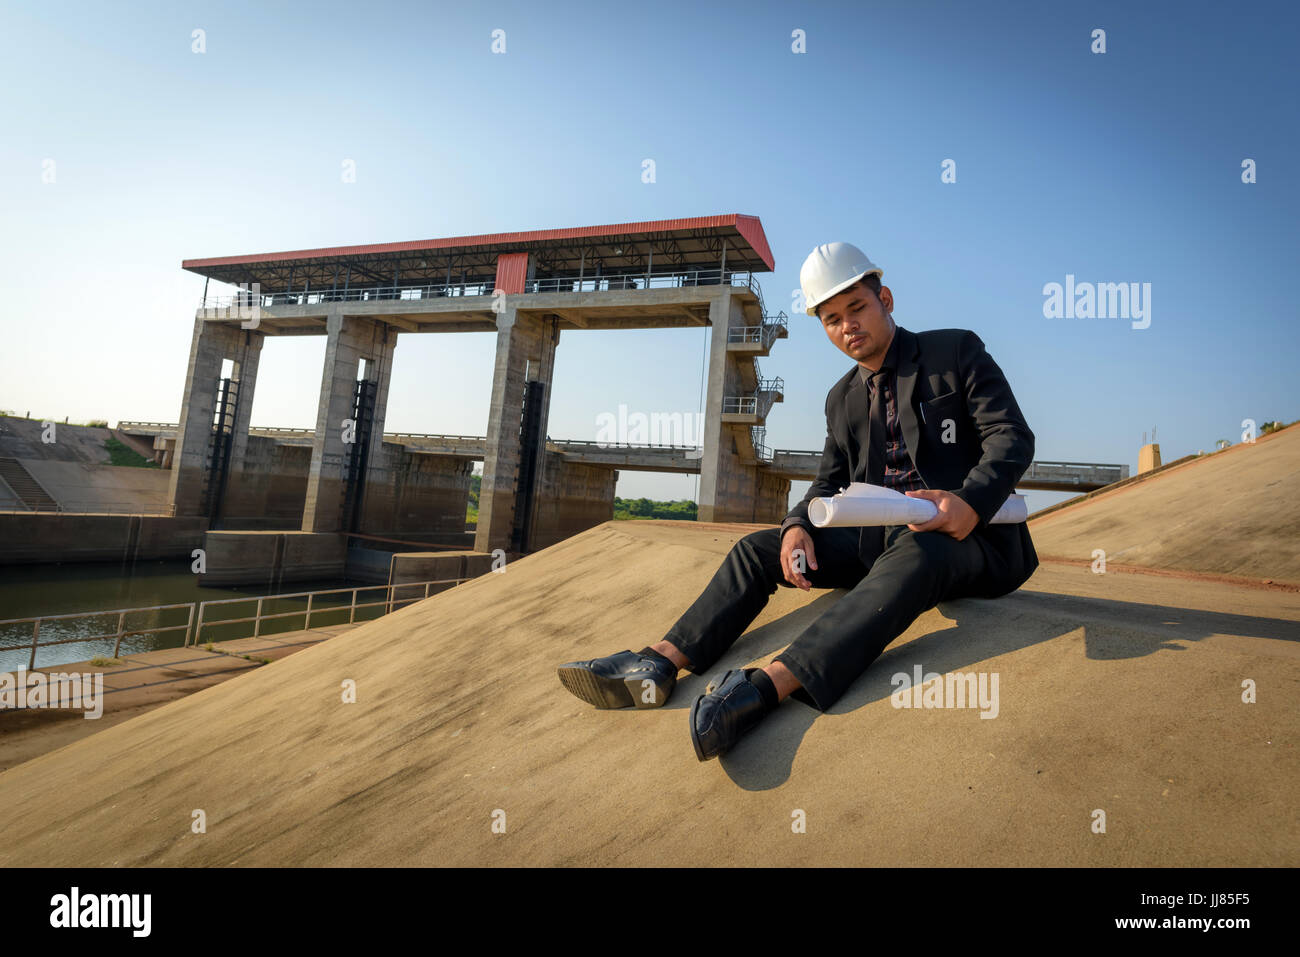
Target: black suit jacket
[[948, 386]]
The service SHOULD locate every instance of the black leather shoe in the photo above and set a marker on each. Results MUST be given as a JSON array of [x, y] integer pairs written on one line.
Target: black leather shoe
[[729, 707], [620, 681]]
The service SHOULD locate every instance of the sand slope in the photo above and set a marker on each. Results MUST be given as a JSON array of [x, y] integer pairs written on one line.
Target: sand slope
[[1118, 692], [1235, 512]]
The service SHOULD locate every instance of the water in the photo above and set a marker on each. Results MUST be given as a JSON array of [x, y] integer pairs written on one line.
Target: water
[[57, 589]]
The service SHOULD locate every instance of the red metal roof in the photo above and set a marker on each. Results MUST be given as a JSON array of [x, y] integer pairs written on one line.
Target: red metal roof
[[748, 227]]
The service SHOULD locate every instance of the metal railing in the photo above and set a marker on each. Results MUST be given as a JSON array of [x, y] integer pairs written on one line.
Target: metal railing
[[95, 508], [268, 430], [1076, 465], [579, 444], [472, 445], [442, 290], [1078, 473], [640, 280], [144, 426], [759, 402], [389, 602], [247, 299], [275, 432], [197, 617], [121, 631], [764, 334]]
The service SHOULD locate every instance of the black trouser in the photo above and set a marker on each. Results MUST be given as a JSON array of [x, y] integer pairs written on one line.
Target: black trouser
[[914, 572]]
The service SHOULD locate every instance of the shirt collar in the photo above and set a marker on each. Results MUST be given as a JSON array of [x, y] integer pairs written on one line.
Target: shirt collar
[[887, 366]]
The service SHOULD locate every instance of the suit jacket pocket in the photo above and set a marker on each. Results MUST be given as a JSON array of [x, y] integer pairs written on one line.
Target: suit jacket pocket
[[950, 405], [940, 400]]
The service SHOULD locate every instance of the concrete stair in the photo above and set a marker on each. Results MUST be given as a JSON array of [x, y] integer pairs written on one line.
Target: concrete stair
[[25, 486]]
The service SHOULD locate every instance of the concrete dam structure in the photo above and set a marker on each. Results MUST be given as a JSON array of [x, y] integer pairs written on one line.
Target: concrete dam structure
[[527, 287], [282, 504]]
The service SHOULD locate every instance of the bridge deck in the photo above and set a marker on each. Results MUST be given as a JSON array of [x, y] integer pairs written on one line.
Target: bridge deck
[[795, 464]]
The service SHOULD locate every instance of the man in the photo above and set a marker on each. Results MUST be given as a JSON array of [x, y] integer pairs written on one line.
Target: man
[[929, 414]]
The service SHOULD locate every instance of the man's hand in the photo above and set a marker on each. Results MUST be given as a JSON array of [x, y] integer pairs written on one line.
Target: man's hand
[[955, 517], [796, 555]]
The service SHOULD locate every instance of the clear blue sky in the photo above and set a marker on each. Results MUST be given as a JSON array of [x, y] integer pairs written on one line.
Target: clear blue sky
[[1115, 167]]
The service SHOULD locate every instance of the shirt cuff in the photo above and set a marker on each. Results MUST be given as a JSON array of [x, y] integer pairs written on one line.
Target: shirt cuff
[[791, 522]]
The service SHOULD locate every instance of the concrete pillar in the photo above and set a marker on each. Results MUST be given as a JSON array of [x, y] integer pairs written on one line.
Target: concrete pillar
[[771, 497], [213, 343], [349, 340], [542, 369], [519, 338], [1148, 457], [163, 448], [725, 311]]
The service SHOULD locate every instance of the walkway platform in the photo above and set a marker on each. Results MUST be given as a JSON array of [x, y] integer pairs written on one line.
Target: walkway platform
[[141, 683]]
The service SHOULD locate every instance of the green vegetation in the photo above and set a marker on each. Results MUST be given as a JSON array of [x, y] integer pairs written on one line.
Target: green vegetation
[[120, 454], [1264, 429], [624, 508], [471, 509], [97, 424], [101, 662], [631, 508]]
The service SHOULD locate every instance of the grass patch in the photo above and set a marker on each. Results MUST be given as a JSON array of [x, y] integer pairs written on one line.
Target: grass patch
[[100, 662], [120, 454]]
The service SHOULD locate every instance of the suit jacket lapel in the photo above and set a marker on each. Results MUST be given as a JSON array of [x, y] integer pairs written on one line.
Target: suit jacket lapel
[[909, 348], [857, 413]]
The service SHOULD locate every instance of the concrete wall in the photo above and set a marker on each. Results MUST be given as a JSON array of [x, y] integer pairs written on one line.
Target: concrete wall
[[416, 495], [79, 486], [435, 566], [269, 490], [75, 468], [746, 493], [270, 558], [66, 537], [574, 497], [410, 496], [367, 565], [21, 439]]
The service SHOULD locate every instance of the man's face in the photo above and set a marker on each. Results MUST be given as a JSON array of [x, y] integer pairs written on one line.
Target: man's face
[[859, 324]]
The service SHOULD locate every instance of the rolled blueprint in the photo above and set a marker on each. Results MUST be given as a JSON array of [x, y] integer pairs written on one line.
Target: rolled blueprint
[[863, 504]]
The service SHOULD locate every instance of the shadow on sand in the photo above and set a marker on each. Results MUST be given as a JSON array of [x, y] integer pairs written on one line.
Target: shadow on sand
[[983, 629]]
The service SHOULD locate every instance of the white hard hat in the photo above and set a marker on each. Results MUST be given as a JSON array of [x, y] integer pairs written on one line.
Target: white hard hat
[[830, 269]]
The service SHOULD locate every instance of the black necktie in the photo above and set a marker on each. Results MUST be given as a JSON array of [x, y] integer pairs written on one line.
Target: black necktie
[[879, 429], [871, 538]]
